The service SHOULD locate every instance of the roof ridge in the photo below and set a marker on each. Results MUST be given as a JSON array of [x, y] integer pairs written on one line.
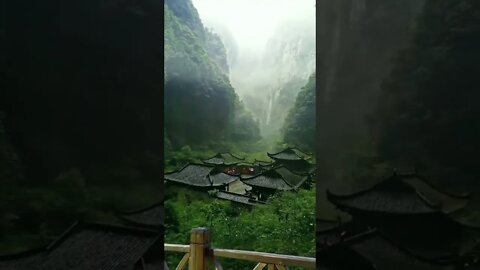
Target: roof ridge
[[434, 186], [94, 225]]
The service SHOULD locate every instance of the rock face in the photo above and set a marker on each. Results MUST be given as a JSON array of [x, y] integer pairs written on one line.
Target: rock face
[[357, 41], [268, 85], [82, 86], [198, 93]]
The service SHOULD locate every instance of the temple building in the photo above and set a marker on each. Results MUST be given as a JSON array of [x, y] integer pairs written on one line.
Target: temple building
[[148, 217], [293, 159], [230, 177], [274, 180], [413, 229], [201, 176], [93, 246], [373, 251], [224, 159]]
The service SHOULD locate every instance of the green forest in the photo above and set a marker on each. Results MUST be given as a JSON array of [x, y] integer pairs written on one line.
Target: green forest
[[87, 130], [204, 115]]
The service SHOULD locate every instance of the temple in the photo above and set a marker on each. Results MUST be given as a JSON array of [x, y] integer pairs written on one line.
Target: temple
[[403, 222], [293, 159], [230, 177]]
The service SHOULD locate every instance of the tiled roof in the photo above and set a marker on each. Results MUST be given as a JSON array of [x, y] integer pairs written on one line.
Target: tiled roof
[[400, 194], [269, 179], [289, 154], [191, 174], [224, 159], [291, 178], [221, 178], [379, 252], [90, 246], [151, 216], [279, 178]]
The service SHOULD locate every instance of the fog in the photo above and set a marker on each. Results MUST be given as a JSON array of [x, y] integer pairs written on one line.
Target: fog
[[270, 44]]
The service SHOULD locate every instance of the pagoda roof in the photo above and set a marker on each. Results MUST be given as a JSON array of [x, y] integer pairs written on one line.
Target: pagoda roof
[[238, 198], [88, 246], [400, 194], [379, 252], [150, 216], [200, 175], [279, 178], [290, 154], [224, 159]]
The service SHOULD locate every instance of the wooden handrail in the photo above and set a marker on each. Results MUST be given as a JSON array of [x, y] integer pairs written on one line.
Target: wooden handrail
[[199, 253]]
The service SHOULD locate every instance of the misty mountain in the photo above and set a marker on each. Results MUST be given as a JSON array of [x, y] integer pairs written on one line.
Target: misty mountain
[[299, 126], [357, 43], [80, 84], [428, 110], [201, 105], [270, 83]]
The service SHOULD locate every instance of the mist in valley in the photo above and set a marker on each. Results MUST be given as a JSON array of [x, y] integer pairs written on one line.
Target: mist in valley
[[270, 49]]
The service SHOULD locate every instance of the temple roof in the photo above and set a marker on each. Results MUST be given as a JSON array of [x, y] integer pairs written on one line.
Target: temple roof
[[200, 175], [279, 178], [150, 216], [224, 159], [289, 154], [385, 255], [234, 197], [400, 194], [89, 246]]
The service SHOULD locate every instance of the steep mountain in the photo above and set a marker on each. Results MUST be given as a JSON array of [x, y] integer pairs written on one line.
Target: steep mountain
[[299, 126], [357, 41], [269, 85], [428, 111], [80, 84], [200, 103]]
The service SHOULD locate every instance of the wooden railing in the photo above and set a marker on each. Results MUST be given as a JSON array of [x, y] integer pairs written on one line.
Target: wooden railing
[[199, 254]]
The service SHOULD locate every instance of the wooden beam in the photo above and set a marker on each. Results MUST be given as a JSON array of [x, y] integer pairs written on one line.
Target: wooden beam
[[260, 266], [183, 262], [266, 257]]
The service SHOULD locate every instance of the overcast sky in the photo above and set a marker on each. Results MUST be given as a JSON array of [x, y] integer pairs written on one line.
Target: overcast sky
[[252, 22]]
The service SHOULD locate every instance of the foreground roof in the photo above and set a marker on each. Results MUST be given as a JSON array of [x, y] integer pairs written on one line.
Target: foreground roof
[[279, 178], [289, 154], [200, 175], [224, 159], [89, 246], [400, 194], [150, 216], [371, 250]]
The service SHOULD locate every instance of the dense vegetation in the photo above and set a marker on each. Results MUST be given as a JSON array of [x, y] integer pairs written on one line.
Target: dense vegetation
[[285, 225], [81, 130], [428, 111], [299, 126], [200, 104]]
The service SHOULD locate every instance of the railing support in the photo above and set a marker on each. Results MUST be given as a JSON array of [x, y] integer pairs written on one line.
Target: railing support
[[199, 249]]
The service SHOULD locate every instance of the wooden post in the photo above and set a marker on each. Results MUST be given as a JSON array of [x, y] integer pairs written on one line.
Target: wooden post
[[199, 249]]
